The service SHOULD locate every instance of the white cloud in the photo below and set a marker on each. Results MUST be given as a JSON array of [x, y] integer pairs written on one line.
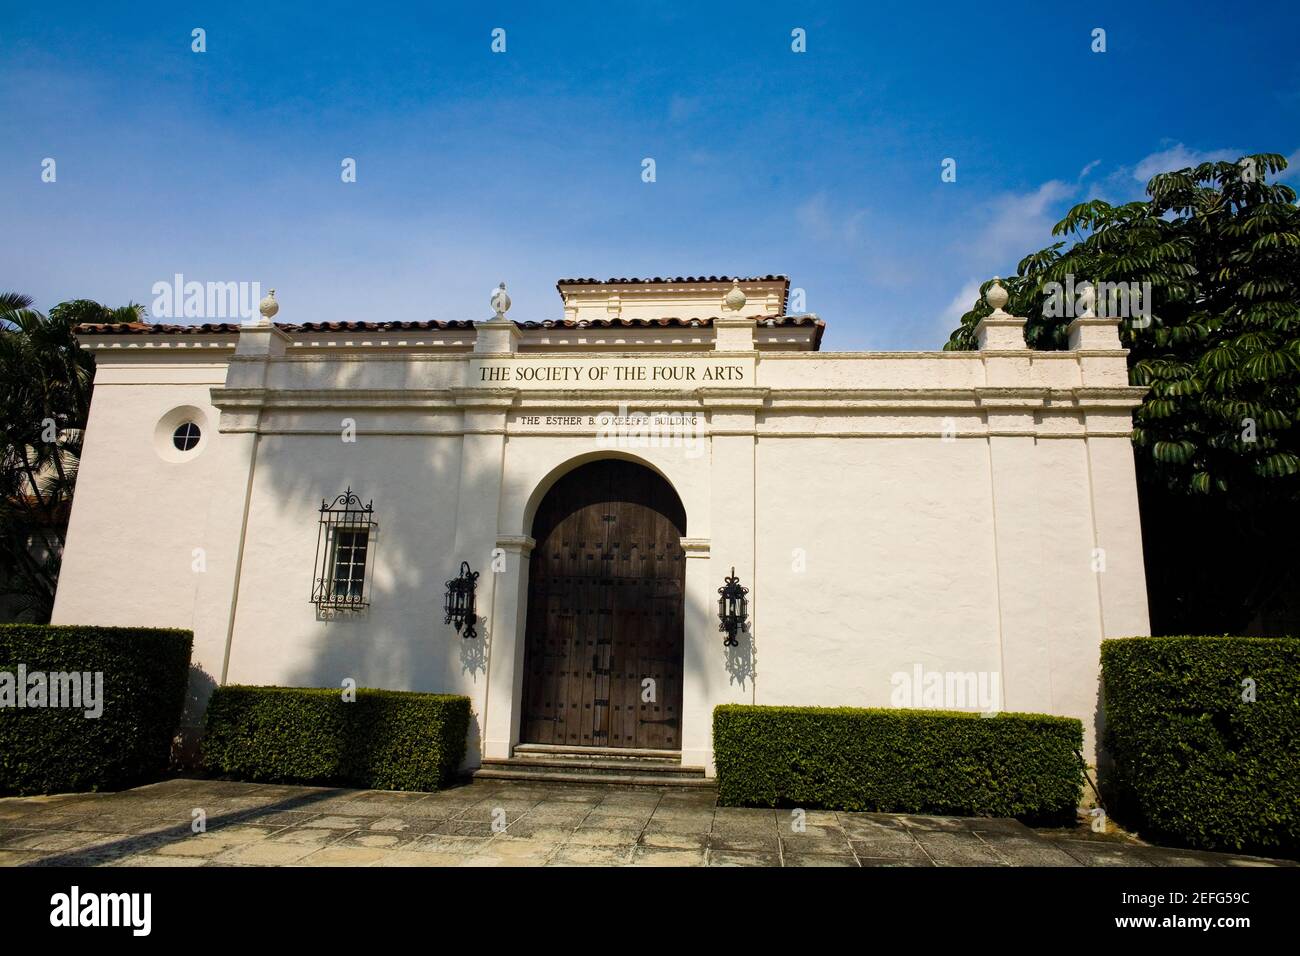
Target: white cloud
[[1089, 168], [814, 216], [1016, 224], [961, 303], [826, 223], [1180, 157]]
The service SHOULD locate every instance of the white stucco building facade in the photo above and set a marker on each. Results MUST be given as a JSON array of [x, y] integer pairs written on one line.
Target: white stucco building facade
[[891, 513]]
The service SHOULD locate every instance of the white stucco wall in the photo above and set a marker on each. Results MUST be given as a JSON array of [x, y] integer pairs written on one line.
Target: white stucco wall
[[947, 509], [139, 515], [847, 597]]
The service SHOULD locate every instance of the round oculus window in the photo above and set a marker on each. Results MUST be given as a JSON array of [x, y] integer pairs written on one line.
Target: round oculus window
[[186, 436]]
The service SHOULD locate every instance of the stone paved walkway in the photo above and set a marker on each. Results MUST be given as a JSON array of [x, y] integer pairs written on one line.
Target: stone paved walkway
[[265, 825]]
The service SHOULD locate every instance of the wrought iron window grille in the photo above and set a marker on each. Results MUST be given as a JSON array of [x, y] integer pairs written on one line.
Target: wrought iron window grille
[[344, 542]]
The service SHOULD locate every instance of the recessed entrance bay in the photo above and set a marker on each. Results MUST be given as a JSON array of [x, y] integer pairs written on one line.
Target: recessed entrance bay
[[605, 630]]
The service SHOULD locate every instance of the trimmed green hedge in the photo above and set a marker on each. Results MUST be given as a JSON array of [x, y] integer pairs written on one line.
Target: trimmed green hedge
[[60, 750], [384, 740], [1194, 762], [898, 761]]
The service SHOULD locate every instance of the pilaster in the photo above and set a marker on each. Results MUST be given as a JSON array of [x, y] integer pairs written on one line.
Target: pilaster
[[505, 675]]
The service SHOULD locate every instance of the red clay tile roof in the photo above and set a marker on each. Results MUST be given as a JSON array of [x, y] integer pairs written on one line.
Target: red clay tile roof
[[158, 328], [810, 319], [422, 325], [667, 322], [674, 322], [213, 328], [677, 280], [682, 280], [152, 328]]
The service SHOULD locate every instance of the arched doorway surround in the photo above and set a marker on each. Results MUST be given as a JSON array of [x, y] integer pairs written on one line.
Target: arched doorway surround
[[604, 632]]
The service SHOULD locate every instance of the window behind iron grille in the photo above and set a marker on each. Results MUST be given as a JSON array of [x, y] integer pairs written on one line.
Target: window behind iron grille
[[344, 553], [349, 563]]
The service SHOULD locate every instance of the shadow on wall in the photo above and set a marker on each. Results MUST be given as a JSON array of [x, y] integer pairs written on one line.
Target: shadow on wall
[[742, 660], [399, 642], [1103, 772], [186, 744], [475, 652]]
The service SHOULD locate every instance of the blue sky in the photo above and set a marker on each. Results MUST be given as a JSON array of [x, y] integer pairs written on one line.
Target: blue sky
[[473, 167]]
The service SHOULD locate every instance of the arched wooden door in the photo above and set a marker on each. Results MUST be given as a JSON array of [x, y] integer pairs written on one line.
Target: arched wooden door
[[604, 643]]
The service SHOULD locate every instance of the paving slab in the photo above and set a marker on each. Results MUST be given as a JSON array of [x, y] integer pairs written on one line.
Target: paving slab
[[408, 858], [661, 856], [513, 851], [279, 825], [867, 861], [602, 836], [819, 846], [411, 858], [668, 840], [265, 854], [818, 859], [444, 843], [943, 824], [18, 857], [889, 850], [541, 830], [725, 857], [339, 855], [753, 843], [49, 839], [1091, 853], [1014, 854], [377, 841], [576, 855], [811, 833], [957, 849], [307, 836], [154, 859]]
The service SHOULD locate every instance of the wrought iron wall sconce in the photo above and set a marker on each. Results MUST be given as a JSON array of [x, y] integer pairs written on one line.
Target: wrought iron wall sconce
[[459, 602], [733, 609]]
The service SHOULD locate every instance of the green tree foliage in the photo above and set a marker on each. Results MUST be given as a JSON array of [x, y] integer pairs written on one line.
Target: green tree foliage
[[45, 387], [1217, 436]]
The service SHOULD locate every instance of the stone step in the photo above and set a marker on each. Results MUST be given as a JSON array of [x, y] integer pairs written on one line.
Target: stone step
[[593, 766], [601, 765], [526, 774], [624, 753], [576, 756]]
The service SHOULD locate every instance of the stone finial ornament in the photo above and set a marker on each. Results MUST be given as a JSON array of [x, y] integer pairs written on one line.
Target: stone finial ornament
[[996, 296], [500, 301], [1087, 300], [268, 307], [735, 299]]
